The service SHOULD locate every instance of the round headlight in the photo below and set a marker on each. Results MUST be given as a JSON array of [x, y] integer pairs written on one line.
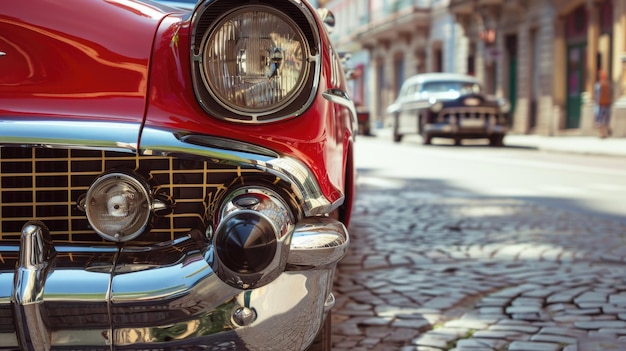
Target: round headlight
[[254, 60], [437, 107], [118, 206]]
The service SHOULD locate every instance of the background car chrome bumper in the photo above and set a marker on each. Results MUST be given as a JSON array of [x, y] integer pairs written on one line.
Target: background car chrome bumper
[[451, 129], [164, 296]]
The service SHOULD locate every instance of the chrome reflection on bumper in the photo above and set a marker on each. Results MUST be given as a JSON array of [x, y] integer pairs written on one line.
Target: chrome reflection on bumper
[[161, 297], [35, 258]]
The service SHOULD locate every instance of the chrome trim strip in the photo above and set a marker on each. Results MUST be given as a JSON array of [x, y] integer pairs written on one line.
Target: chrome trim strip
[[341, 97], [227, 144], [306, 186], [329, 303], [159, 142], [112, 136]]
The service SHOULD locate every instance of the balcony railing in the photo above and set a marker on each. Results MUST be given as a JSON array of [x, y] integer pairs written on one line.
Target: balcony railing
[[383, 10]]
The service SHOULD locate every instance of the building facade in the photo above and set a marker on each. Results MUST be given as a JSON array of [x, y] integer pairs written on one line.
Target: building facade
[[544, 56]]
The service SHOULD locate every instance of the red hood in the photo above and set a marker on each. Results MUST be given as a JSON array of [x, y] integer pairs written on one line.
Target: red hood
[[85, 64]]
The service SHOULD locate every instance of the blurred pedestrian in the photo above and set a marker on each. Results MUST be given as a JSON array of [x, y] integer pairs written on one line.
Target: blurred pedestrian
[[603, 100]]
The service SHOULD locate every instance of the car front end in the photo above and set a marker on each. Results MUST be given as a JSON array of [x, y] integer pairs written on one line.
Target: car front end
[[185, 186], [466, 117]]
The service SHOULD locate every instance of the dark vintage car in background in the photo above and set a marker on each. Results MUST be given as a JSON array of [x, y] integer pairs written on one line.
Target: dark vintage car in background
[[448, 105], [170, 179]]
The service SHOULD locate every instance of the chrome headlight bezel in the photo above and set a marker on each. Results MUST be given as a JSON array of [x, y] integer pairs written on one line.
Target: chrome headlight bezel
[[278, 96]]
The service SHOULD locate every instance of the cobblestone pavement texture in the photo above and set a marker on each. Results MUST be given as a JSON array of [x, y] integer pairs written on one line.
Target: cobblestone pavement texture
[[453, 271]]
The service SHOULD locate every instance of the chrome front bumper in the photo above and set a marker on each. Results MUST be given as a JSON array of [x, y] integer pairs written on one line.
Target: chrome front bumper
[[455, 129], [161, 297]]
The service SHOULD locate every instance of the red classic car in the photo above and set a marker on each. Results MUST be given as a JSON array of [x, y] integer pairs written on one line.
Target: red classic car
[[170, 179]]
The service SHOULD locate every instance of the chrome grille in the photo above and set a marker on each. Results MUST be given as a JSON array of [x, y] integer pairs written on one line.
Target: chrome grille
[[44, 184], [465, 113]]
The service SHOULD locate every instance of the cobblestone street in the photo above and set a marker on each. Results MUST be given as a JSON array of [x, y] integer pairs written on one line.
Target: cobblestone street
[[444, 269]]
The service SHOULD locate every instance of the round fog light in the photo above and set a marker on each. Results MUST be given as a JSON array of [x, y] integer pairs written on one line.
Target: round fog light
[[118, 206]]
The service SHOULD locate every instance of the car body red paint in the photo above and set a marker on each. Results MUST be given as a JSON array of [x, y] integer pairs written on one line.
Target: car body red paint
[[103, 89]]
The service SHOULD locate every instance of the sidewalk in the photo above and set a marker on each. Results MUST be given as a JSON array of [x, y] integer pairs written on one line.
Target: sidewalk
[[589, 145]]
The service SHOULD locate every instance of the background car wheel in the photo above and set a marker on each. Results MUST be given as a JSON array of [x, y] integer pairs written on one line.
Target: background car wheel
[[496, 140], [323, 340], [364, 129], [397, 137]]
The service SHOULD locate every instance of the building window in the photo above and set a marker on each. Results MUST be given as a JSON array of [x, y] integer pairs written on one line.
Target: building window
[[577, 24], [437, 62], [606, 17]]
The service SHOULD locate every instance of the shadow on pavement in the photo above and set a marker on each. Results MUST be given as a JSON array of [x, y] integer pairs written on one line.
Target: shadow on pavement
[[435, 267]]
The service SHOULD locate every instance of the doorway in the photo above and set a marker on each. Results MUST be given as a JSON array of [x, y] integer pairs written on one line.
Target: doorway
[[576, 57]]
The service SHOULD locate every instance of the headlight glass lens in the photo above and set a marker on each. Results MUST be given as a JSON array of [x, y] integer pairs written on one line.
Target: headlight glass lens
[[118, 207], [254, 60]]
